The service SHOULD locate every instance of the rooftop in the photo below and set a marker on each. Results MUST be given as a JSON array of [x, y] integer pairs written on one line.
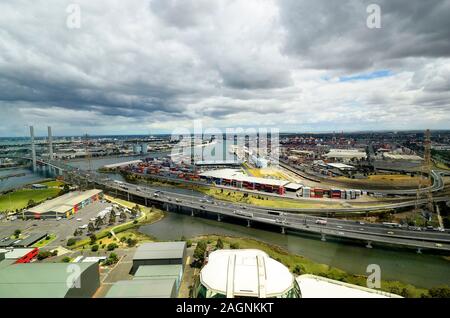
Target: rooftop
[[312, 286], [246, 272], [160, 250], [64, 202], [233, 174], [36, 279], [144, 288], [158, 271], [15, 253], [346, 153]]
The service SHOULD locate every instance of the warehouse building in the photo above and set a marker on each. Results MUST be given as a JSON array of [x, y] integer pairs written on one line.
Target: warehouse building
[[148, 288], [63, 206], [161, 272], [345, 155], [19, 255], [159, 253], [235, 178], [49, 280]]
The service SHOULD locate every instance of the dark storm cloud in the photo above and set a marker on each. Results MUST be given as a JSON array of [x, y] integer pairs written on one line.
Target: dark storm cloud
[[334, 35], [162, 63]]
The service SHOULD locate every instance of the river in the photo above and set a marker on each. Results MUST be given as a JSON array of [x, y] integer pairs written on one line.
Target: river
[[421, 270]]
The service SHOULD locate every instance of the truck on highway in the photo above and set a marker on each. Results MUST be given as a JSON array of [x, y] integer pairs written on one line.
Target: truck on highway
[[243, 213]]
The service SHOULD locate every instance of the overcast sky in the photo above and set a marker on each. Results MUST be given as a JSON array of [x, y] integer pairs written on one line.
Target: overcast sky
[[149, 66]]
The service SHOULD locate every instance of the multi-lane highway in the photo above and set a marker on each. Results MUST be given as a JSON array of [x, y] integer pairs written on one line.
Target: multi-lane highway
[[412, 237]]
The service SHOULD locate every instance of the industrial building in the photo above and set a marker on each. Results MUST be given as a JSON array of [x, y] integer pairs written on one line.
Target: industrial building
[[160, 272], [148, 288], [159, 253], [25, 242], [63, 206], [235, 178], [49, 280], [345, 155], [19, 255], [245, 273]]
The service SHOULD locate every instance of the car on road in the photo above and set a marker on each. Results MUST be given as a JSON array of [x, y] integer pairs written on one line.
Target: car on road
[[361, 223], [178, 200], [361, 229], [339, 227], [92, 219], [79, 219], [341, 233], [390, 232], [58, 218], [321, 222], [438, 245]]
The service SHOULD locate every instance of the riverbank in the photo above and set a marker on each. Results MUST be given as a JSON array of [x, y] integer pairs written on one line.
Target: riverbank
[[299, 264]]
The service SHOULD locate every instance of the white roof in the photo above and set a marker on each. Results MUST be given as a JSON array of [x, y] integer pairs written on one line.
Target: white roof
[[402, 157], [15, 253], [312, 286], [346, 153], [233, 174], [340, 165], [245, 272], [64, 202]]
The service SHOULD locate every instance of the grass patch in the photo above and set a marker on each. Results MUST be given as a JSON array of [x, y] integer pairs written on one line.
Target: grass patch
[[396, 181], [53, 183], [45, 241], [309, 267], [19, 199]]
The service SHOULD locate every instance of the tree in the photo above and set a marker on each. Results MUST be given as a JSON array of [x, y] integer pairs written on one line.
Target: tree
[[31, 203], [93, 238], [112, 218], [91, 227], [65, 189], [131, 242], [111, 246], [298, 269], [98, 222], [123, 239], [219, 244], [123, 216], [71, 241], [94, 248], [112, 259], [17, 233], [43, 255], [199, 252], [440, 292], [66, 259], [234, 246]]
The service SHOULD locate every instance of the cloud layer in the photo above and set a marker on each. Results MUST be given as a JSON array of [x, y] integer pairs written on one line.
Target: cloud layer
[[151, 66]]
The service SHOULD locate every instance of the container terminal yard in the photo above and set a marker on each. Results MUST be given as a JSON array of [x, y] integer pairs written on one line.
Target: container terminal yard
[[345, 189]]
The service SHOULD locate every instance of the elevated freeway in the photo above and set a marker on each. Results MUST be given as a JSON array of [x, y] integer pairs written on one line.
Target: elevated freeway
[[393, 235]]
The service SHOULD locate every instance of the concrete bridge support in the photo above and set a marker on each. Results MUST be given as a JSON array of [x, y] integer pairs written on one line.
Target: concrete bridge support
[[283, 231], [192, 212], [323, 237], [145, 199], [369, 244], [419, 250], [249, 223]]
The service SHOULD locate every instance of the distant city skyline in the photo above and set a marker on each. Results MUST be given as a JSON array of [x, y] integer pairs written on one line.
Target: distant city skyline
[[151, 66]]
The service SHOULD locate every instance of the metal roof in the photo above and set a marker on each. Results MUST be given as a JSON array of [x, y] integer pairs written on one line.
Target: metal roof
[[145, 271], [232, 174], [32, 280], [16, 253], [160, 250], [64, 202], [143, 288]]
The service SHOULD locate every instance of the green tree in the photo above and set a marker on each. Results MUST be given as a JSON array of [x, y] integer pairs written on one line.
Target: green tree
[[112, 246], [112, 218], [66, 259], [93, 238], [219, 244], [71, 241], [98, 222], [94, 248], [440, 292], [234, 246], [91, 228], [17, 233], [31, 203], [199, 252]]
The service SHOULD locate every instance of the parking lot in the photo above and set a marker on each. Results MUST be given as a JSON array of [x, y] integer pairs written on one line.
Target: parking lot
[[63, 228]]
